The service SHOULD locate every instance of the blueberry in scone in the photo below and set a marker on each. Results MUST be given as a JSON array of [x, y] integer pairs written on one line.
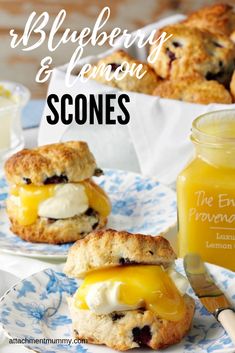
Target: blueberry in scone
[[131, 295], [53, 198]]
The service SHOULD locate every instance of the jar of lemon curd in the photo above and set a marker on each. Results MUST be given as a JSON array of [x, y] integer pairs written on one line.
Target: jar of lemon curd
[[206, 191]]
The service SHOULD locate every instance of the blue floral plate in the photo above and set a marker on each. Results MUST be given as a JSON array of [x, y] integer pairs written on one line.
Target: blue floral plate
[[36, 308], [139, 204]]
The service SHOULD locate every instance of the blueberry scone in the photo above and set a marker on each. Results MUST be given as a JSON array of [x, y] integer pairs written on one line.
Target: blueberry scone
[[53, 198], [191, 51], [145, 84], [131, 295], [218, 18], [194, 90]]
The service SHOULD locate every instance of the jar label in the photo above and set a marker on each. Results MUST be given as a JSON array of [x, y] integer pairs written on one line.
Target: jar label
[[216, 215]]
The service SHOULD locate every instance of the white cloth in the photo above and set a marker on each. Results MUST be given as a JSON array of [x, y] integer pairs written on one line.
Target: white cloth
[[23, 267], [112, 145], [155, 142], [162, 137]]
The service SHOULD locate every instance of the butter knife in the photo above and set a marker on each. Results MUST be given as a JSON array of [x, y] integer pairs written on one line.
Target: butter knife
[[209, 293]]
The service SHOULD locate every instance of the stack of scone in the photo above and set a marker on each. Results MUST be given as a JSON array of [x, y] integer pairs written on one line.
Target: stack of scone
[[52, 196], [131, 295], [195, 65]]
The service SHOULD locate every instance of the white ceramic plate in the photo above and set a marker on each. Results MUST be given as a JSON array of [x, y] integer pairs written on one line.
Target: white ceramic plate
[[36, 308], [139, 204]]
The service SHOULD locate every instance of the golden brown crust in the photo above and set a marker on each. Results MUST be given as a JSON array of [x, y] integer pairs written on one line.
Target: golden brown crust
[[191, 52], [159, 333], [72, 160], [59, 231], [218, 18], [129, 83], [106, 248], [194, 90]]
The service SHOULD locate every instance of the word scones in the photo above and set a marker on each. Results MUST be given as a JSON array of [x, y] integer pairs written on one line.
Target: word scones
[[92, 109]]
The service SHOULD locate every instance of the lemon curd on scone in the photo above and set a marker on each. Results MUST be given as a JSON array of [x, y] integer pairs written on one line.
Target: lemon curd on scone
[[53, 198], [131, 295]]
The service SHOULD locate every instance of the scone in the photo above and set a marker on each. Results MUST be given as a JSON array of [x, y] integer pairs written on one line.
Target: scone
[[218, 18], [194, 90], [53, 198], [131, 295], [191, 51], [130, 82]]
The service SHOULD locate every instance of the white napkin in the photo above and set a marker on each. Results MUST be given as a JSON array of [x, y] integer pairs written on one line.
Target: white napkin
[[111, 145], [161, 137], [155, 142], [22, 266]]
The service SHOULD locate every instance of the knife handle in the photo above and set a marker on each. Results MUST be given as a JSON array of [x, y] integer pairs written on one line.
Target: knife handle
[[227, 319]]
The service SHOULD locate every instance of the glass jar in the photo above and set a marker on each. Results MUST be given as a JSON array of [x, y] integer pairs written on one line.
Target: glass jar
[[206, 191], [13, 97]]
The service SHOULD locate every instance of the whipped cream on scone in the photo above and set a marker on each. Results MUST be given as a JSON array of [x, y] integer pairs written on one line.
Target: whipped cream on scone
[[53, 197], [68, 201], [131, 295]]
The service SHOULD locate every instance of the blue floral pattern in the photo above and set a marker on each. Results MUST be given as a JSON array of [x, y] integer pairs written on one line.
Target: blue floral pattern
[[37, 308], [139, 204]]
